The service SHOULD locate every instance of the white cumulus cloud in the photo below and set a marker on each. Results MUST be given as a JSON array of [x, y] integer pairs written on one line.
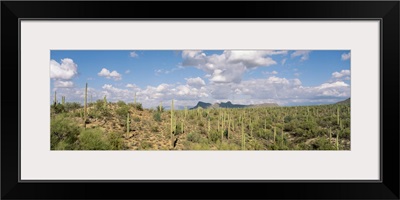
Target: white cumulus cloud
[[346, 56], [195, 82], [63, 84], [66, 70], [342, 75], [133, 54], [304, 54], [106, 73], [230, 65]]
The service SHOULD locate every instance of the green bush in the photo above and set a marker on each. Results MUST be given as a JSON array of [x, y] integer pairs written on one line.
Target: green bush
[[160, 108], [227, 146], [136, 119], [58, 108], [64, 131], [121, 103], [157, 116], [154, 129], [93, 139], [193, 137], [145, 145], [137, 106], [215, 136], [69, 106], [178, 129], [323, 143], [122, 112], [264, 134], [115, 140]]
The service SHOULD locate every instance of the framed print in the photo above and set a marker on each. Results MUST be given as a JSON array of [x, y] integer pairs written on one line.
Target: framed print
[[116, 95]]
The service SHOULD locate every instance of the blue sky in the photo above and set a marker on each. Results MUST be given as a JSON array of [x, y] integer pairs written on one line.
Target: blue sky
[[286, 77]]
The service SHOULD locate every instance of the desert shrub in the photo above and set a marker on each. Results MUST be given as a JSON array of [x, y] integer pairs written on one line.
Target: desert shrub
[[93, 139], [72, 106], [264, 134], [227, 146], [193, 137], [323, 143], [160, 108], [62, 145], [145, 145], [100, 109], [157, 116], [94, 114], [287, 119], [137, 106], [178, 129], [200, 123], [215, 136], [204, 114], [122, 112], [154, 129], [302, 146], [63, 130], [199, 146], [299, 132], [121, 103], [115, 140], [136, 119], [345, 133], [254, 145], [99, 104], [58, 108], [289, 126]]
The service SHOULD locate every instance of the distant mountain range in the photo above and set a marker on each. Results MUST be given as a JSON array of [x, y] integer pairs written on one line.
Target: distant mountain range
[[347, 101], [230, 105]]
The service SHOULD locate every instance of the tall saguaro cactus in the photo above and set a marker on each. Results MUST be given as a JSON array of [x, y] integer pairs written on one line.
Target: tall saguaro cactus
[[127, 123], [86, 102], [338, 117], [243, 136], [337, 141], [105, 102], [135, 98], [172, 118]]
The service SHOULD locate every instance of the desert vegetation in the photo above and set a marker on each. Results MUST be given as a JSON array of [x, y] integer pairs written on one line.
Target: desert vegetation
[[104, 125]]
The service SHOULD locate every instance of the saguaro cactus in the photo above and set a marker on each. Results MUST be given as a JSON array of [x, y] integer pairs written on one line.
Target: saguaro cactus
[[63, 100], [337, 141], [172, 117], [135, 98], [338, 117], [243, 137], [127, 123], [208, 132], [86, 102], [105, 102]]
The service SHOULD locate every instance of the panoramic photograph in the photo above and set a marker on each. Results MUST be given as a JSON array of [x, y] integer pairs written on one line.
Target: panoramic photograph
[[200, 100]]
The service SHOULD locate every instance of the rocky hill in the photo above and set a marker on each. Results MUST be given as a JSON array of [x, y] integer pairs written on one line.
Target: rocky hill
[[229, 104]]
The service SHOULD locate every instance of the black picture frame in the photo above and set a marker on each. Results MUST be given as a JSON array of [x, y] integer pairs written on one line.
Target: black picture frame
[[386, 11]]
